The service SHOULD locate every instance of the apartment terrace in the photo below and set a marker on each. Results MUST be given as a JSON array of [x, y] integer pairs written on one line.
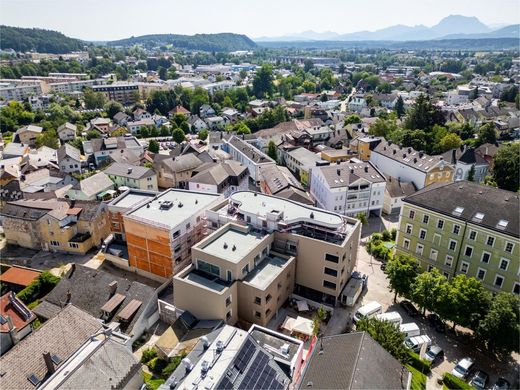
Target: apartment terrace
[[267, 271]]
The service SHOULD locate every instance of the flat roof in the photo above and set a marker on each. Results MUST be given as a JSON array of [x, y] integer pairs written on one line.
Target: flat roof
[[212, 284], [185, 204], [131, 199], [265, 272], [233, 245]]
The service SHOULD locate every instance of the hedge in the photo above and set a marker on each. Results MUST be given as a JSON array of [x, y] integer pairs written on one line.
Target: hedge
[[148, 354], [421, 365], [39, 287], [454, 383], [157, 365]]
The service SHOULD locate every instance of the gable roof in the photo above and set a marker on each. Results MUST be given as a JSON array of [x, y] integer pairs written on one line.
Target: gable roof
[[67, 150], [397, 188], [352, 361], [465, 155], [67, 126], [94, 184], [344, 174], [129, 171], [218, 173], [29, 128], [180, 163]]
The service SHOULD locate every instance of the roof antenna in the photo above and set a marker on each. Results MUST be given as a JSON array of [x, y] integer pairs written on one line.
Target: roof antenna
[[321, 344]]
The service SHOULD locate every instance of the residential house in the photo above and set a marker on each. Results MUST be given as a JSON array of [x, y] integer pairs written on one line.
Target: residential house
[[16, 278], [215, 122], [364, 146], [349, 188], [95, 187], [136, 126], [206, 111], [140, 114], [179, 110], [15, 149], [279, 181], [67, 132], [230, 115], [465, 159], [357, 103], [28, 134], [69, 159], [57, 225], [387, 101], [16, 321], [102, 148], [102, 125], [409, 165], [301, 161], [487, 152], [395, 192], [126, 175], [45, 180], [196, 124], [121, 118], [221, 178], [347, 361], [175, 172], [464, 228]]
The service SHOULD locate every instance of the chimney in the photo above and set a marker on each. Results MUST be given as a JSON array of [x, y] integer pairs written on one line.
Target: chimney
[[454, 156], [69, 297], [338, 171], [112, 287], [49, 363], [72, 269], [13, 332], [130, 170]]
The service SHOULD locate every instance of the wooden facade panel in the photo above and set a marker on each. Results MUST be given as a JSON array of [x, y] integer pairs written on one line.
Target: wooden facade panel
[[132, 239], [161, 248]]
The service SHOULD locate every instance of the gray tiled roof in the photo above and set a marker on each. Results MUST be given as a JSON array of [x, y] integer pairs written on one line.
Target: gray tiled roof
[[249, 151], [61, 336], [494, 203], [67, 150], [397, 188], [94, 184], [407, 156], [352, 361], [180, 163], [129, 171], [341, 175]]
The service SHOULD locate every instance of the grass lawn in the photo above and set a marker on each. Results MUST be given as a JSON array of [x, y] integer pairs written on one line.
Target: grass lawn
[[418, 379], [152, 383]]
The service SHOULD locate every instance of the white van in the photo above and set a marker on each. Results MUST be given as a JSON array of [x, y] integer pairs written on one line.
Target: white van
[[415, 343], [391, 316], [368, 311], [410, 329]]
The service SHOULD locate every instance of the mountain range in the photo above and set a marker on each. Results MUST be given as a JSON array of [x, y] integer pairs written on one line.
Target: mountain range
[[450, 27]]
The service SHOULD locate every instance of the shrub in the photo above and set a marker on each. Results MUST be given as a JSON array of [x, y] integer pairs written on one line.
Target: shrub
[[454, 383], [148, 354], [393, 232], [157, 365], [39, 287], [173, 364], [387, 236], [421, 365], [376, 237]]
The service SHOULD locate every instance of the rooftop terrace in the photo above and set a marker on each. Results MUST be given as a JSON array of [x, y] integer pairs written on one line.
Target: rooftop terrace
[[265, 272], [233, 245]]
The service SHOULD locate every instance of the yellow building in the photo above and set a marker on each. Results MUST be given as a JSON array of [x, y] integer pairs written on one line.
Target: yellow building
[[335, 155]]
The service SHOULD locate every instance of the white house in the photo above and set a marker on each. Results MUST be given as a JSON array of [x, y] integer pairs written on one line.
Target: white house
[[67, 132], [357, 103], [69, 159], [395, 191]]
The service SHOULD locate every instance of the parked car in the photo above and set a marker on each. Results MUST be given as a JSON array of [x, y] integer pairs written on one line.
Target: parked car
[[409, 308], [463, 367], [434, 353], [436, 322], [501, 384], [479, 380]]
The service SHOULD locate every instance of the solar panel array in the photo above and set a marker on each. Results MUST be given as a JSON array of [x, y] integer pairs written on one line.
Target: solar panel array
[[245, 355], [260, 375]]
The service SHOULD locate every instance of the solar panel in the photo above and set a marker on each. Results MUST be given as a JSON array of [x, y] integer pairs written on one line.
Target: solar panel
[[33, 379], [225, 384], [55, 359], [245, 355]]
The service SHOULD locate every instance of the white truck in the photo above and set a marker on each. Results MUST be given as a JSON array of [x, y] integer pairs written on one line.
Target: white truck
[[351, 292], [391, 316], [410, 329], [415, 343], [368, 311]]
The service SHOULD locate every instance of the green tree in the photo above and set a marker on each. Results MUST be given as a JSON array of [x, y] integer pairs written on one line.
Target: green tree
[[362, 218], [203, 134], [198, 98], [384, 128], [399, 107], [471, 173], [178, 135], [387, 335], [500, 327], [424, 115], [271, 150], [506, 166], [352, 119], [93, 99], [426, 288], [448, 142], [113, 107], [241, 128], [402, 271], [263, 81], [153, 146], [308, 65], [487, 134], [162, 72], [48, 138], [172, 73]]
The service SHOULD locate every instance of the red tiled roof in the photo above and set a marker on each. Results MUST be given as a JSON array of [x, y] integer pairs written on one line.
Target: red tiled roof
[[19, 276], [8, 309]]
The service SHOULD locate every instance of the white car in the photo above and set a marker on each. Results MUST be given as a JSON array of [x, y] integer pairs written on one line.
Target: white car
[[462, 368]]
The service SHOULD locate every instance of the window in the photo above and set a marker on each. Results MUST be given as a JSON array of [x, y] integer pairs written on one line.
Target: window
[[188, 225], [486, 256], [228, 315], [208, 268], [176, 234], [468, 251], [419, 249], [73, 245], [433, 255], [228, 301], [332, 258], [245, 270], [499, 281], [409, 228], [448, 261], [411, 214], [440, 224], [509, 247], [472, 235], [422, 234], [258, 300], [229, 276], [268, 298], [54, 243], [456, 229], [328, 284], [516, 288], [425, 219], [331, 272], [490, 241], [464, 267], [258, 314], [504, 264], [453, 245], [406, 244], [481, 274]]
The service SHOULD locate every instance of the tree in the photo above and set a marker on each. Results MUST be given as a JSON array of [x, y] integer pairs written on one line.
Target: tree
[[342, 68], [500, 327], [387, 335], [271, 150], [93, 99], [362, 218], [509, 94], [471, 173], [119, 132], [162, 72], [352, 119], [423, 115], [308, 65], [487, 134], [263, 81], [172, 73], [48, 138], [426, 288], [178, 135], [203, 134], [241, 128], [399, 107], [506, 166], [384, 128], [112, 108], [402, 271], [448, 142], [153, 146]]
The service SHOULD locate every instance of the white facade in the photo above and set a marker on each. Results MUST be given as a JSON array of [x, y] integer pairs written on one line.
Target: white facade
[[243, 185], [70, 165], [391, 167], [244, 156]]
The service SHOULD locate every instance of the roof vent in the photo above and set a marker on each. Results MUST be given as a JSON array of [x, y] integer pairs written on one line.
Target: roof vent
[[414, 160], [366, 168], [234, 248], [409, 150], [180, 204], [129, 169], [196, 201], [352, 171], [285, 349], [394, 151], [205, 342], [312, 215], [220, 346], [166, 205], [338, 171], [187, 364], [225, 245], [205, 367]]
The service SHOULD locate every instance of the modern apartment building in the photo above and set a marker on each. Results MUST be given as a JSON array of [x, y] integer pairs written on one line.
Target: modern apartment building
[[73, 86], [19, 89], [464, 228], [265, 249], [124, 93], [161, 232], [349, 188], [409, 165]]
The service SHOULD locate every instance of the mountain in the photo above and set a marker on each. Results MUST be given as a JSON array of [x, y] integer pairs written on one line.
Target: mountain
[[308, 35], [512, 31], [40, 40], [206, 42]]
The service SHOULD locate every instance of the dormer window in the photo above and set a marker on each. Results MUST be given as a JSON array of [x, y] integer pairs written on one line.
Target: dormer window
[[458, 210], [478, 217], [502, 224]]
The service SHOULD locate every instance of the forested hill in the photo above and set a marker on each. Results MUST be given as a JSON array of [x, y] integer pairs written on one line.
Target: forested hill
[[43, 41], [205, 42]]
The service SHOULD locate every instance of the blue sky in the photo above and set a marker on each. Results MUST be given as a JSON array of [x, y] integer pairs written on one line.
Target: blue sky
[[113, 19]]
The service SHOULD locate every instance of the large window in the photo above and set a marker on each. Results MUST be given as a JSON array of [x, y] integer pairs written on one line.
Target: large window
[[468, 252], [208, 268], [422, 234], [504, 263], [509, 247], [453, 245], [440, 224], [490, 241], [456, 229], [328, 284], [464, 267], [332, 258], [499, 281], [481, 274], [425, 219], [411, 215], [331, 272]]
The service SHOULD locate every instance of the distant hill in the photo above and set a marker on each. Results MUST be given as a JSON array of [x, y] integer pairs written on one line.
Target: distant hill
[[512, 31], [43, 41], [206, 42]]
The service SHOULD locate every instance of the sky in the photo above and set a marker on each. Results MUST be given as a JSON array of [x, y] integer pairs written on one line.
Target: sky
[[115, 19]]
